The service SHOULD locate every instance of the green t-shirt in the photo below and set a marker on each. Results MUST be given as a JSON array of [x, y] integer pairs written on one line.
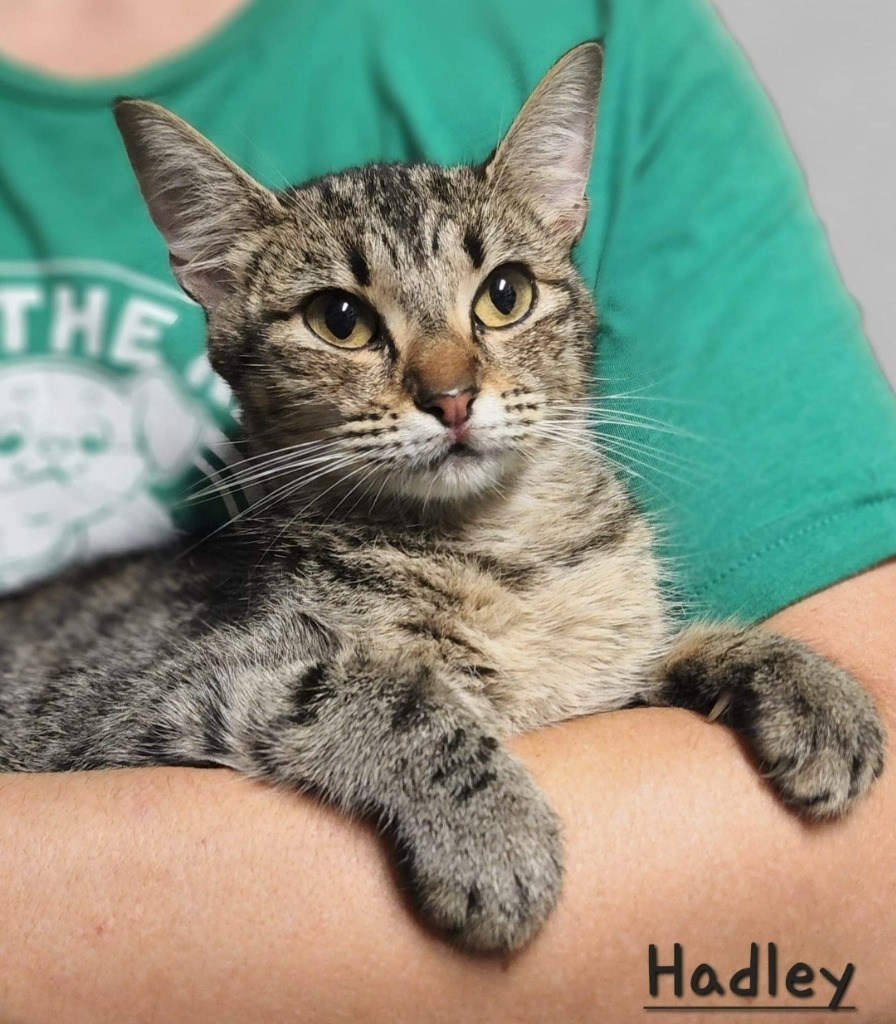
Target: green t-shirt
[[722, 316]]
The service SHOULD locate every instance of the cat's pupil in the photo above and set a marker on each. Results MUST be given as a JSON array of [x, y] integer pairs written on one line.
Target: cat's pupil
[[503, 295], [341, 318]]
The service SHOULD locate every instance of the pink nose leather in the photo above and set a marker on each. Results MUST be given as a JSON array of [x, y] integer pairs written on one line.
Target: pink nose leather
[[452, 410]]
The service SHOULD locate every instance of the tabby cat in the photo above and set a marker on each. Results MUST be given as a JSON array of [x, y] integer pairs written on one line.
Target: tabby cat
[[442, 560]]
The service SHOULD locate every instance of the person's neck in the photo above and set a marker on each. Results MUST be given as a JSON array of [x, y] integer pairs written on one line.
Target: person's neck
[[105, 38]]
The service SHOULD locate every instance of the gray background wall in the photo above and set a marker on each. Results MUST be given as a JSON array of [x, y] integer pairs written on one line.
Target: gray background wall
[[830, 67]]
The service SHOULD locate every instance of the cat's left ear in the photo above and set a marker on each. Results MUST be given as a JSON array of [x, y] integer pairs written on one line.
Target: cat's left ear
[[545, 157], [201, 202]]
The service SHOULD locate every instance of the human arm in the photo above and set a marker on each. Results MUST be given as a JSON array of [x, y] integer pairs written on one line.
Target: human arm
[[177, 895]]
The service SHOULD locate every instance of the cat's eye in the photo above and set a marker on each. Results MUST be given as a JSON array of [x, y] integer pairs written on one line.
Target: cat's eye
[[506, 296], [341, 319]]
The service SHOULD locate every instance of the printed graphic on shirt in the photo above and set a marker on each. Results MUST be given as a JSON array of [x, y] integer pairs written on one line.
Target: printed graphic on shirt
[[109, 415]]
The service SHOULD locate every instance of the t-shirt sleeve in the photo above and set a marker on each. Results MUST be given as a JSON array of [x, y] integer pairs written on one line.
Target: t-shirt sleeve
[[724, 319]]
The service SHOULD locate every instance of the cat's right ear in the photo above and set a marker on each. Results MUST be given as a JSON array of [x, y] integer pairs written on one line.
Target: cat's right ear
[[200, 201]]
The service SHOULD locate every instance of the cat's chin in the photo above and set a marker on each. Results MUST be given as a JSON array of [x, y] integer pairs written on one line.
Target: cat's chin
[[460, 476]]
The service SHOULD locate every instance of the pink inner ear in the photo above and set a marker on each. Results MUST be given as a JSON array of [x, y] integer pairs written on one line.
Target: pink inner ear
[[199, 199], [206, 286], [546, 155], [572, 223]]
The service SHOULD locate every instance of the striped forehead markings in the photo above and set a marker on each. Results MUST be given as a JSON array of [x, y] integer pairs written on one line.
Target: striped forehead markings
[[474, 247], [358, 265]]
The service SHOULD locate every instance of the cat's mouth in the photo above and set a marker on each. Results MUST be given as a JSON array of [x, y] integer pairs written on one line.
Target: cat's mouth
[[456, 450], [455, 472], [460, 448]]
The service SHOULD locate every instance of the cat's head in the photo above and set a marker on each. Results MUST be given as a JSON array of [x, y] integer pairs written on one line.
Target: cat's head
[[403, 329]]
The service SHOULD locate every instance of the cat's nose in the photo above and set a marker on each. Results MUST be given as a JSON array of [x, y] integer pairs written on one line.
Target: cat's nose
[[452, 408]]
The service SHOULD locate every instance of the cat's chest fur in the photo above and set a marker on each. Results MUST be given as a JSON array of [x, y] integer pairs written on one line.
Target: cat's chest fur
[[547, 611], [555, 644]]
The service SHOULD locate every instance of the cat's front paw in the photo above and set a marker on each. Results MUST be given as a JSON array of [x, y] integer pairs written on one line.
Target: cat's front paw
[[484, 860], [819, 740], [815, 731]]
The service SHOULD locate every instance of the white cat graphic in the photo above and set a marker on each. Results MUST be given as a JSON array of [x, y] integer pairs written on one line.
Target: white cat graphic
[[78, 450]]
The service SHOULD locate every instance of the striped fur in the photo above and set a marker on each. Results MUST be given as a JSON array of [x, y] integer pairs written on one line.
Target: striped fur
[[413, 588]]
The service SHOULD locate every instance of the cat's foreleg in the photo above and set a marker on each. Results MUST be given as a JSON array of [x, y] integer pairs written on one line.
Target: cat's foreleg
[[478, 843], [814, 730]]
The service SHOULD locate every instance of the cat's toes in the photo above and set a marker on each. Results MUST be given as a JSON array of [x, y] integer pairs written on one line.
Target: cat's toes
[[815, 731], [490, 881], [500, 889], [821, 760]]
